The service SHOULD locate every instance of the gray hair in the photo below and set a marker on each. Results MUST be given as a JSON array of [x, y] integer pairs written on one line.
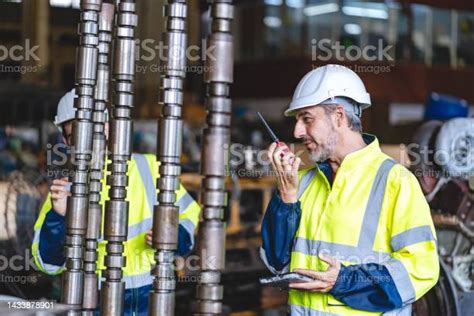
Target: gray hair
[[355, 123]]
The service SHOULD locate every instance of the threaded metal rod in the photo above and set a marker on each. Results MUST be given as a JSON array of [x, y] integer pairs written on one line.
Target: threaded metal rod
[[116, 208], [78, 202], [216, 138], [165, 215], [91, 279]]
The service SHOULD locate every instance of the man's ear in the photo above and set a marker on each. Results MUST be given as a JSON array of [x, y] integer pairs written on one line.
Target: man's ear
[[340, 113]]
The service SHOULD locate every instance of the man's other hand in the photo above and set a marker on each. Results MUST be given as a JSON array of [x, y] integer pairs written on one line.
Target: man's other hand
[[323, 280]]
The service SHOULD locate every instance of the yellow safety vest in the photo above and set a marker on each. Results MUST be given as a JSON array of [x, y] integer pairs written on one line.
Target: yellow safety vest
[[375, 212], [141, 194]]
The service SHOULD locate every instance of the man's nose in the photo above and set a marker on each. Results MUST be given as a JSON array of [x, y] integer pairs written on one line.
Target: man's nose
[[300, 130]]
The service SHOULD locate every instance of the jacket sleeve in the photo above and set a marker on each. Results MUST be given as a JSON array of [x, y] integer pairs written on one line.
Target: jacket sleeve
[[48, 241], [279, 227], [52, 238], [367, 287], [414, 264], [189, 212], [413, 268]]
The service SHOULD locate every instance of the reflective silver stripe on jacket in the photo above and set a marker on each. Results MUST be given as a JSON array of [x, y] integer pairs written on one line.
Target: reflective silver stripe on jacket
[[363, 252], [150, 188], [305, 181], [412, 236], [297, 310]]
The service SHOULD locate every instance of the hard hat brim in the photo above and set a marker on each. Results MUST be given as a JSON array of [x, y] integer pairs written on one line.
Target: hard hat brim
[[293, 108]]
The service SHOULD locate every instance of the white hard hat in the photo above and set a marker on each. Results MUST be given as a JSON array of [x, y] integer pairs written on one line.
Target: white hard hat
[[66, 110], [328, 82]]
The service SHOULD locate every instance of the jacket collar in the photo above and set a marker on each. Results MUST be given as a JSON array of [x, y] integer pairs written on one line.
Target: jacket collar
[[364, 155], [358, 157]]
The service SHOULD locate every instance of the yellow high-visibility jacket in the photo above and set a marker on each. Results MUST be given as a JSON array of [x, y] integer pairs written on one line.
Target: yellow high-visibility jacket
[[375, 212], [141, 195]]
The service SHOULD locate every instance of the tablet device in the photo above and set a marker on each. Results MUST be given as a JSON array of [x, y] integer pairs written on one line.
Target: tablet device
[[283, 280]]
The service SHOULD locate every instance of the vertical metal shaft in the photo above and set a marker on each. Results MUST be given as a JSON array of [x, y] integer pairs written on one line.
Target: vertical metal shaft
[[216, 138], [90, 296], [165, 215], [78, 202], [116, 208]]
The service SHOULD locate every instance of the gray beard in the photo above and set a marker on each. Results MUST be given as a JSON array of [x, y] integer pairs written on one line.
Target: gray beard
[[325, 150]]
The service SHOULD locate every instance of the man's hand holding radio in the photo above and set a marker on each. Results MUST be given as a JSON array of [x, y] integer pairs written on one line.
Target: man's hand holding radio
[[285, 164]]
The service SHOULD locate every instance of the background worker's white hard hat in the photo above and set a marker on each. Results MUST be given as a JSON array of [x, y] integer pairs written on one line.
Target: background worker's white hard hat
[[66, 110], [325, 83]]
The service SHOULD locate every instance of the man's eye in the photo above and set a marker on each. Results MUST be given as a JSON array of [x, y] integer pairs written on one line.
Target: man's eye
[[306, 119]]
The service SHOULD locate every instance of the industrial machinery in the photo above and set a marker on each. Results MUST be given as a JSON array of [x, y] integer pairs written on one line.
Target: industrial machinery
[[441, 157], [107, 37]]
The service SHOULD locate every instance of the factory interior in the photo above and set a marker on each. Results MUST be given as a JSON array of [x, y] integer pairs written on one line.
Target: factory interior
[[164, 174]]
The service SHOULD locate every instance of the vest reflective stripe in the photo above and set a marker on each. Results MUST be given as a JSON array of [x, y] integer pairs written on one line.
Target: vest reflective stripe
[[147, 178], [297, 310], [411, 237], [49, 268], [150, 186], [374, 205], [139, 280], [147, 224], [404, 311], [349, 253], [136, 229], [402, 281], [184, 202], [305, 181]]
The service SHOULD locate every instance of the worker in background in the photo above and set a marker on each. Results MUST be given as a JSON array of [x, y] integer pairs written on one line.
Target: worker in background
[[357, 223], [50, 227]]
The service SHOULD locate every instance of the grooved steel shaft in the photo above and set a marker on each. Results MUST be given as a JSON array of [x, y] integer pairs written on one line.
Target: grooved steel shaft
[[78, 202], [165, 215], [91, 279], [116, 208], [216, 138]]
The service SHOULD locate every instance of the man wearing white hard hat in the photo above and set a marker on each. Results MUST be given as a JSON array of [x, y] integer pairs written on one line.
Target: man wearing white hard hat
[[357, 223], [48, 242]]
